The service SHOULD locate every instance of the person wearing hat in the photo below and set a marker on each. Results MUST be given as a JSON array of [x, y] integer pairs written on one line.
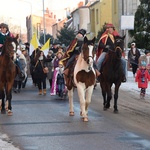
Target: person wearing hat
[[145, 57], [27, 45], [54, 48], [133, 58], [22, 65], [3, 33], [105, 43], [49, 64], [74, 49], [24, 51], [60, 80], [57, 59], [142, 77]]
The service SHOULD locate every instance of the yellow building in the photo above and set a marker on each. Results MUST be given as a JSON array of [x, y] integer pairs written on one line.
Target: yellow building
[[101, 12]]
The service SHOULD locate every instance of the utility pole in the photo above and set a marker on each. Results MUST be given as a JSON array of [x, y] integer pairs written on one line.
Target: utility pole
[[44, 21]]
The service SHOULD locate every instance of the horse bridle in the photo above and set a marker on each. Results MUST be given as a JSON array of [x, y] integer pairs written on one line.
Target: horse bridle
[[86, 60], [10, 50], [118, 47]]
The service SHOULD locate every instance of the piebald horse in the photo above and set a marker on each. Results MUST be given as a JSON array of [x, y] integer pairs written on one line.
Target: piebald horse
[[84, 78]]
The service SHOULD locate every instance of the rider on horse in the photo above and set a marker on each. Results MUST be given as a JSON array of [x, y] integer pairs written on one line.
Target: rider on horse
[[3, 33], [106, 43], [74, 50]]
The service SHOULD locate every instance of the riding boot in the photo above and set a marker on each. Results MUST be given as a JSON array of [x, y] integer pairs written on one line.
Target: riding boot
[[40, 92], [44, 91], [97, 73]]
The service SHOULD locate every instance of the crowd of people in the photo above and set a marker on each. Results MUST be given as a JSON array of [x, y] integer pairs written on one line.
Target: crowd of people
[[42, 68]]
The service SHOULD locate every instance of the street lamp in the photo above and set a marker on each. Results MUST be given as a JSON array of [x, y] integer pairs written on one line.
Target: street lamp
[[44, 21]]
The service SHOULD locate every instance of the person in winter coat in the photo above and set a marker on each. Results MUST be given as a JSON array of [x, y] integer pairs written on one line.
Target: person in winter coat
[[32, 65], [49, 64], [60, 80], [106, 43], [56, 61], [27, 60], [40, 76], [133, 58], [3, 33], [21, 63], [142, 77]]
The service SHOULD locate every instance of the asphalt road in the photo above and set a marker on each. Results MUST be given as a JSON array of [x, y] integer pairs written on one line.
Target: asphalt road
[[43, 123]]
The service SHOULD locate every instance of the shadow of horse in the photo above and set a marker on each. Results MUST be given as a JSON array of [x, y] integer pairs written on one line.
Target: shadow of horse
[[112, 73], [7, 73], [82, 76]]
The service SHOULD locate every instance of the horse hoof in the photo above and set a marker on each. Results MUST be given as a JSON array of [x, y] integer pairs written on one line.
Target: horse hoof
[[104, 108], [116, 111], [9, 113], [71, 113], [85, 119], [107, 106], [3, 111]]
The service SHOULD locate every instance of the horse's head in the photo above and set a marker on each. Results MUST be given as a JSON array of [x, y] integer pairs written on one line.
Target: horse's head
[[119, 45], [88, 50], [10, 46]]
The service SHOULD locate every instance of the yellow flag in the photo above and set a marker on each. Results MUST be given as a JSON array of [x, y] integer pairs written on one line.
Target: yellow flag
[[45, 47], [34, 43]]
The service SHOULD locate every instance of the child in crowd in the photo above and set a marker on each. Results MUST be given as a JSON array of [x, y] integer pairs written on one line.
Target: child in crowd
[[60, 80], [142, 77]]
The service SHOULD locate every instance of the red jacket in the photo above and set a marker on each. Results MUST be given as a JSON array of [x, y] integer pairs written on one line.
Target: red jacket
[[140, 76]]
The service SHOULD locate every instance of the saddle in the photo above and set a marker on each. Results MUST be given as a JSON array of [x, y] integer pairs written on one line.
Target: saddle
[[68, 74]]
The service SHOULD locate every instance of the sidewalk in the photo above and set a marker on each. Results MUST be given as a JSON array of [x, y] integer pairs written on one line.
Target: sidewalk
[[130, 86], [5, 143]]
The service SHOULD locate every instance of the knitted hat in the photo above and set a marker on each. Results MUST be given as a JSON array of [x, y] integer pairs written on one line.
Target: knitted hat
[[4, 25], [50, 51], [23, 48], [133, 44], [143, 63]]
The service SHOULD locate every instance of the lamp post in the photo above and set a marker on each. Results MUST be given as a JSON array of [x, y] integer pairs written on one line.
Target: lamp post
[[44, 21]]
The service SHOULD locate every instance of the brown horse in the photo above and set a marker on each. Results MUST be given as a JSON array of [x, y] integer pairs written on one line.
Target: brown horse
[[112, 73], [7, 73]]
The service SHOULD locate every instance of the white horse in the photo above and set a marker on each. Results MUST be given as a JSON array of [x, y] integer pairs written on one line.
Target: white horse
[[84, 78]]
